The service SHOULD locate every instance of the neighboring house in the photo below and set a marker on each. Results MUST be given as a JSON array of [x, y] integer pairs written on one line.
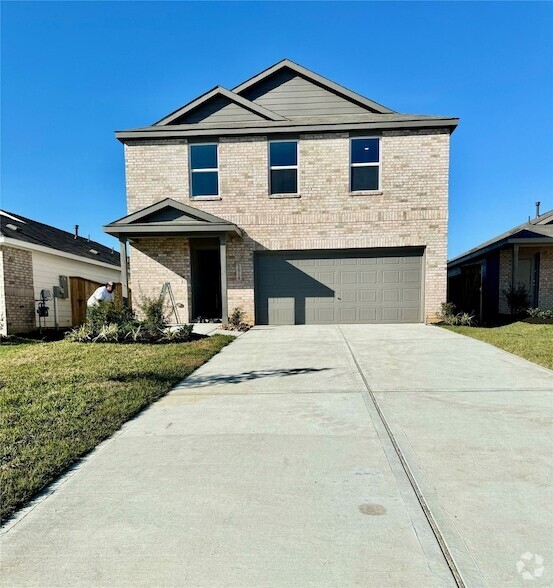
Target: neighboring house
[[35, 257], [478, 278], [294, 198]]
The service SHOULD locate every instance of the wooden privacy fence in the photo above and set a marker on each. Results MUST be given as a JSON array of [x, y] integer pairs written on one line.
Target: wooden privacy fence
[[81, 290]]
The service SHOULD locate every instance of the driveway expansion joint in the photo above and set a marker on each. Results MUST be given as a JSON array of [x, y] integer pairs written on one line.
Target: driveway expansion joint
[[371, 402]]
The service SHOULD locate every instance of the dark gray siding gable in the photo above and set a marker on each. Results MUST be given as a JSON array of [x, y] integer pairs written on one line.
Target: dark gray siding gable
[[218, 110], [292, 96]]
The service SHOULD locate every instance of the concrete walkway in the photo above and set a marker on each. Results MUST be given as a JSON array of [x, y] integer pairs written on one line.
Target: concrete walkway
[[313, 456]]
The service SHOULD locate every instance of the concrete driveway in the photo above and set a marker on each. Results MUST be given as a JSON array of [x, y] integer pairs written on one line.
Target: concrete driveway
[[313, 456]]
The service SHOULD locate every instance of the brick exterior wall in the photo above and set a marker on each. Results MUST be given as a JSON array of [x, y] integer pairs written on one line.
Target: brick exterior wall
[[545, 288], [545, 294], [156, 261], [3, 324], [410, 210], [17, 298], [505, 273]]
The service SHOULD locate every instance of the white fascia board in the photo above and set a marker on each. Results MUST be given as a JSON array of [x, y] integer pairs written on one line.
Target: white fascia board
[[7, 215], [32, 247]]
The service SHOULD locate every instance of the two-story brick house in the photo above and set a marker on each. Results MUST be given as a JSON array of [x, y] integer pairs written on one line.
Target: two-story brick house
[[294, 198]]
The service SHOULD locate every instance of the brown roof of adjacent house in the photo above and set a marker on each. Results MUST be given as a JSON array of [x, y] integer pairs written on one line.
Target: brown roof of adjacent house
[[20, 228]]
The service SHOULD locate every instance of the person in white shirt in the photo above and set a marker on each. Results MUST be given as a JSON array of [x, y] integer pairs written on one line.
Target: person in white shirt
[[101, 294]]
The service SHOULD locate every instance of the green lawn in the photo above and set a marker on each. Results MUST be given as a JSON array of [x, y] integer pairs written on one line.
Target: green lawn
[[59, 400], [531, 341]]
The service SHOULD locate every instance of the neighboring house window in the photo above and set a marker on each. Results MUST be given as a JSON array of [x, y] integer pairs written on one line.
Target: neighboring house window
[[365, 164], [283, 167], [204, 170]]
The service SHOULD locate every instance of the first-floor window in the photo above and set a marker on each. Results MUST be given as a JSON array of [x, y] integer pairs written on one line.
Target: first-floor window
[[283, 167], [365, 164], [204, 170]]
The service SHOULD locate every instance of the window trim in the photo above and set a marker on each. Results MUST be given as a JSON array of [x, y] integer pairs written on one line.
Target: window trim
[[203, 170], [277, 167], [368, 164]]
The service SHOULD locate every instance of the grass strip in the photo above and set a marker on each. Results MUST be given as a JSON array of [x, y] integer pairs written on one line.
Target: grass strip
[[531, 341], [59, 400]]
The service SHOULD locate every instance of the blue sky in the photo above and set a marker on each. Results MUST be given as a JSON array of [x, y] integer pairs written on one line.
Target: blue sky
[[72, 73]]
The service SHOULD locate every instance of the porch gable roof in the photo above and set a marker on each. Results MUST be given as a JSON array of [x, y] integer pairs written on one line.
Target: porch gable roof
[[169, 218]]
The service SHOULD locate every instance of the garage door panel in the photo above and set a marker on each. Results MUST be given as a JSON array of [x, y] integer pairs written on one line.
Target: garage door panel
[[368, 277], [411, 295], [281, 311], [338, 286], [348, 295], [390, 314], [348, 315], [409, 315], [326, 315], [348, 277], [367, 315], [390, 276], [367, 295], [328, 278], [410, 276], [391, 295]]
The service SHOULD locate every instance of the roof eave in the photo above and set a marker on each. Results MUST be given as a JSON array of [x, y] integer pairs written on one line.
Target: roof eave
[[165, 132], [137, 230], [479, 252]]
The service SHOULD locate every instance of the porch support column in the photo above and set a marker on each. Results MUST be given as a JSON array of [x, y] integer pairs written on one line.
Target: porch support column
[[514, 277], [124, 270], [224, 296]]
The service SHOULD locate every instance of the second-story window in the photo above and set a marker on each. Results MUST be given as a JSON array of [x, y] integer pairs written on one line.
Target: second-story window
[[365, 164], [283, 167], [204, 170]]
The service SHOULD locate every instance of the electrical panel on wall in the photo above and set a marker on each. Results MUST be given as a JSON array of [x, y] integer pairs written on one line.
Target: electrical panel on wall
[[64, 287]]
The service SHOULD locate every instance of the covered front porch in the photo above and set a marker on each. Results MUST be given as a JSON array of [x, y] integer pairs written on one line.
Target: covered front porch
[[176, 244]]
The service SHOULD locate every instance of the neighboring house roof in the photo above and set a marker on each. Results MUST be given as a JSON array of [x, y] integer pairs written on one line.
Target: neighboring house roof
[[284, 98], [538, 230], [169, 217], [19, 228]]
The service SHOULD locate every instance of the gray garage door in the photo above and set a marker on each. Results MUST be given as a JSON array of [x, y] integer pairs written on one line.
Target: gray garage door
[[348, 286]]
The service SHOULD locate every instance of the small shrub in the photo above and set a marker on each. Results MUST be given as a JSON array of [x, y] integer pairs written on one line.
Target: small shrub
[[449, 317], [236, 321], [539, 313], [153, 310], [464, 319], [108, 334], [81, 334], [134, 334], [107, 313], [517, 298], [113, 323], [181, 334], [447, 313], [237, 316]]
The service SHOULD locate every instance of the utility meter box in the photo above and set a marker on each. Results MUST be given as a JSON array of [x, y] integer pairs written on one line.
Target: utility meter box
[[64, 286]]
